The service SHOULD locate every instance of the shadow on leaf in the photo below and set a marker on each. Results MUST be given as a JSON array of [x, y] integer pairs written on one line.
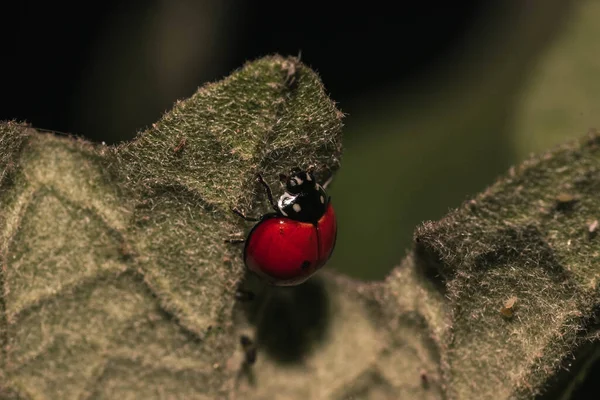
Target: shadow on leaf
[[290, 321]]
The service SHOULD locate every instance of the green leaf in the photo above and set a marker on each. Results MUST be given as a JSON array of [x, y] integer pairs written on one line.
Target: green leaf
[[528, 236], [116, 277], [117, 282]]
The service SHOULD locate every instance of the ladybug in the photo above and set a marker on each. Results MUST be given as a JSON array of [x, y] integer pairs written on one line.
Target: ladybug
[[291, 243]]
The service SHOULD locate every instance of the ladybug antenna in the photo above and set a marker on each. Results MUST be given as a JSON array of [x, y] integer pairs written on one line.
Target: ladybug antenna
[[328, 181], [268, 190]]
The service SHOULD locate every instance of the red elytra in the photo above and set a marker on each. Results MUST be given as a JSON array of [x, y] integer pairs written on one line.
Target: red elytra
[[288, 246], [287, 252]]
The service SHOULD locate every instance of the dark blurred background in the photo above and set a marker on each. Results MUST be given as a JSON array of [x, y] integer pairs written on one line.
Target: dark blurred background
[[113, 70], [440, 99]]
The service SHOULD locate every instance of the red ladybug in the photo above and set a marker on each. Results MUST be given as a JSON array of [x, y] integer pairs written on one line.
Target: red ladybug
[[290, 244]]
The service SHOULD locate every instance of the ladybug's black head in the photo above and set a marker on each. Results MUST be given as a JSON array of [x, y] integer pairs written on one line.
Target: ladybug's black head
[[300, 181]]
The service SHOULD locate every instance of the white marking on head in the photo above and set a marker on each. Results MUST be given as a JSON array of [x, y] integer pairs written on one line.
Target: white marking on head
[[308, 178], [293, 182], [285, 201], [298, 180], [322, 199], [297, 207]]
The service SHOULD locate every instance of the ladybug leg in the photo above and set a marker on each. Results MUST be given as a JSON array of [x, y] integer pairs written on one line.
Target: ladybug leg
[[268, 190], [244, 295], [244, 216], [249, 349], [235, 240], [282, 179]]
